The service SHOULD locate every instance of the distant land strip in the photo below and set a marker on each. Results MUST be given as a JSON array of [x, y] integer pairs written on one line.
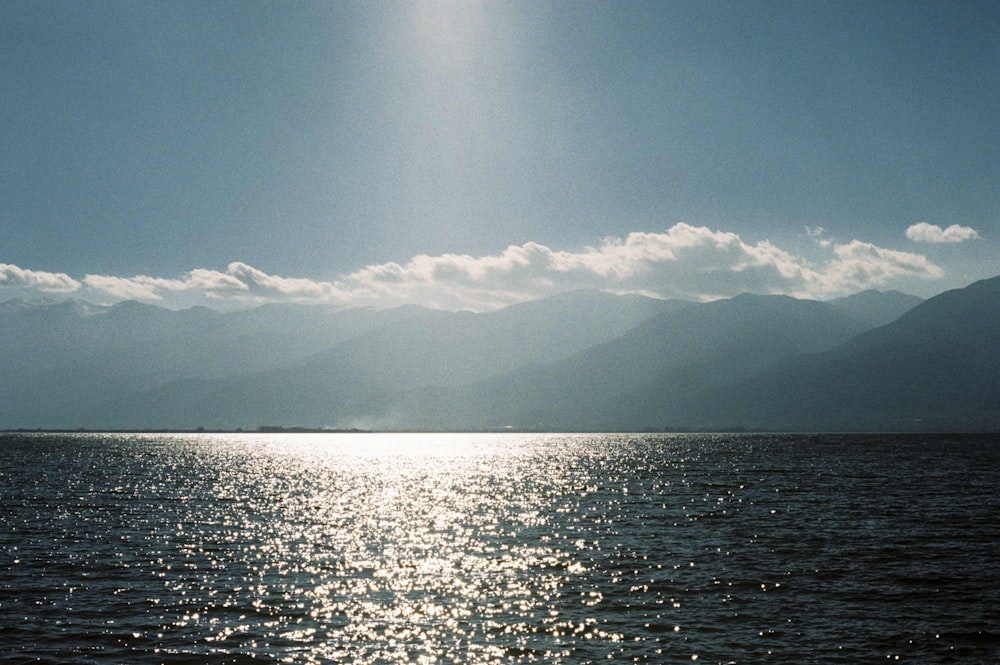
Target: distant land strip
[[263, 429]]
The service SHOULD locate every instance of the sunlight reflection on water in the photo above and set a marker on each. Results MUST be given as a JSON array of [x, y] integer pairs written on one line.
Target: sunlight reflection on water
[[390, 548], [430, 548]]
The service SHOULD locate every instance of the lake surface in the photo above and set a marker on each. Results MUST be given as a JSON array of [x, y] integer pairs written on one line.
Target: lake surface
[[464, 548]]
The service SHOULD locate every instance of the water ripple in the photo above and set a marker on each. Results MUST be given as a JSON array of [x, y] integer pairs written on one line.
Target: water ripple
[[498, 548]]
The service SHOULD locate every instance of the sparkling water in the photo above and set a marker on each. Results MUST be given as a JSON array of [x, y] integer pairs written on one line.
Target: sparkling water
[[499, 548]]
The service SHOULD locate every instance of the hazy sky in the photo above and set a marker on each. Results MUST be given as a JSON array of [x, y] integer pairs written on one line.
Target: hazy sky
[[471, 154]]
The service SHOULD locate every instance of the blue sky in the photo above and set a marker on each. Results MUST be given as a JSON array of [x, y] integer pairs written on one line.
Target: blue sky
[[473, 154]]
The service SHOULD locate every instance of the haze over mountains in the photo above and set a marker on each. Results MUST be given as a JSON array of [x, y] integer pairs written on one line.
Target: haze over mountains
[[579, 361]]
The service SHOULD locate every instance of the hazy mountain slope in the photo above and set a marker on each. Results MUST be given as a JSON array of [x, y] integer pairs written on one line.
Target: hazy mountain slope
[[353, 383], [581, 360], [615, 385], [61, 362], [936, 367], [144, 339], [456, 348], [876, 308]]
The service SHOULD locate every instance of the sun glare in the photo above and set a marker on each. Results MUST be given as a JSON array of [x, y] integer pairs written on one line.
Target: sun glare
[[450, 31]]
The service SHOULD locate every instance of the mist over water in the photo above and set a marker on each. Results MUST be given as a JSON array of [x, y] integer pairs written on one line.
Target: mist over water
[[462, 548]]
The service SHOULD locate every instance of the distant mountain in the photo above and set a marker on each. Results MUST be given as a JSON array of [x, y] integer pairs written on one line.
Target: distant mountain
[[138, 366], [62, 363], [935, 367], [876, 308], [623, 383], [579, 361]]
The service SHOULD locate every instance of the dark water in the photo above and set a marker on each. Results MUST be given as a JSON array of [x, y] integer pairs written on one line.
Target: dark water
[[499, 549]]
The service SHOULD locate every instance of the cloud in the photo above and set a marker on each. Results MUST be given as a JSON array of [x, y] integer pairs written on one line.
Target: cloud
[[861, 265], [240, 284], [205, 283], [260, 283], [130, 288], [817, 233], [46, 282], [685, 261], [924, 232]]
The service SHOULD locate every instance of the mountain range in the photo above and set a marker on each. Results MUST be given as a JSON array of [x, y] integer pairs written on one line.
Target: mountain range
[[581, 361]]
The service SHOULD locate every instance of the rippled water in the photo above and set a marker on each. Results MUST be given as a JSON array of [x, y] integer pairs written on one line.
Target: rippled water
[[378, 548]]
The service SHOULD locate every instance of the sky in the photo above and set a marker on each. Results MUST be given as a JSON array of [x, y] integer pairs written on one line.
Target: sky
[[469, 155]]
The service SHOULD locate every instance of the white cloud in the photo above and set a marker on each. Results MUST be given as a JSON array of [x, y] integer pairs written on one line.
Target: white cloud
[[817, 233], [861, 265], [260, 283], [924, 232], [134, 288], [684, 261], [46, 282], [240, 284]]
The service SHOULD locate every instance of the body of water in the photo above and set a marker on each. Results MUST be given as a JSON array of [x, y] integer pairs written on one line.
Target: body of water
[[465, 548]]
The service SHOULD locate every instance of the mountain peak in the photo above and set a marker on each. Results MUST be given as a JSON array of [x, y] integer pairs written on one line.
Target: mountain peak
[[579, 360]]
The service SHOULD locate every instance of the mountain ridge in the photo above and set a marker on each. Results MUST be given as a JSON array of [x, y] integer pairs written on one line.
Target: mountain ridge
[[936, 367], [579, 360]]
